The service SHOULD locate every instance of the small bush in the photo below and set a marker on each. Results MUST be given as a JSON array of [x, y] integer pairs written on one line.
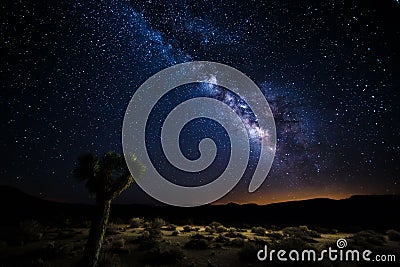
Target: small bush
[[210, 230], [275, 228], [233, 234], [220, 229], [200, 236], [221, 239], [393, 235], [275, 235], [155, 232], [112, 229], [170, 227], [302, 233], [187, 228], [136, 222], [197, 244], [144, 235], [215, 225], [158, 223], [260, 231], [175, 233]]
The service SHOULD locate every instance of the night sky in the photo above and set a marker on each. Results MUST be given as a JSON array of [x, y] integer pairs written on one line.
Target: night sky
[[330, 72]]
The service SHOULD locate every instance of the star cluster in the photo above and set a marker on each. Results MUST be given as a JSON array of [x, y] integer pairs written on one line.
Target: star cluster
[[329, 70]]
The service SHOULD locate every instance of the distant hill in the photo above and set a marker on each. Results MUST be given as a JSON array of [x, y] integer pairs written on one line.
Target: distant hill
[[365, 211]]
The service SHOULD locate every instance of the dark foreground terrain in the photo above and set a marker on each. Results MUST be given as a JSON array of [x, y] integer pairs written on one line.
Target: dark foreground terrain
[[36, 232]]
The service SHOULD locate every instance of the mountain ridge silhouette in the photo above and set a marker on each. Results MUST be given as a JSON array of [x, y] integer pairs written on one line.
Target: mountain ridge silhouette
[[358, 211]]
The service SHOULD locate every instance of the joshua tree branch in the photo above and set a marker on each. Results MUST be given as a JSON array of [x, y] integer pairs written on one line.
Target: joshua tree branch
[[120, 185]]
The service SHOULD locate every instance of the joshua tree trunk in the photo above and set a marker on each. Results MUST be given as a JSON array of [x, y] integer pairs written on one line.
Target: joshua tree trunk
[[99, 223], [96, 235], [106, 179]]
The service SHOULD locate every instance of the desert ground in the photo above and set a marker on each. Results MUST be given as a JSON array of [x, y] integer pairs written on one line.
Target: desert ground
[[155, 242]]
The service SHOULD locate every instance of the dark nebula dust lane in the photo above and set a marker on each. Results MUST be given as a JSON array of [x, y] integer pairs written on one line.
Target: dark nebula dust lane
[[329, 70]]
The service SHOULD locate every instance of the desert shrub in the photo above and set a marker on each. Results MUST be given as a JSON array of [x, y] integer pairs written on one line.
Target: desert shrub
[[158, 223], [275, 235], [260, 231], [302, 233], [232, 234], [154, 228], [187, 228], [248, 252], [112, 229], [275, 227], [393, 235], [136, 222], [154, 232], [303, 228], [170, 227], [215, 225], [109, 260], [209, 230], [144, 235], [313, 234], [175, 233], [364, 238], [30, 230], [236, 242], [197, 244], [200, 236], [221, 239], [220, 229]]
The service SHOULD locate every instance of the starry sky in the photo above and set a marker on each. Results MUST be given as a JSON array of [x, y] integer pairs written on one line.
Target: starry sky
[[330, 71]]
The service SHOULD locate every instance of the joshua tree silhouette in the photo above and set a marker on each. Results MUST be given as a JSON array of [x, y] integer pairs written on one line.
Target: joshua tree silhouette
[[105, 178]]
